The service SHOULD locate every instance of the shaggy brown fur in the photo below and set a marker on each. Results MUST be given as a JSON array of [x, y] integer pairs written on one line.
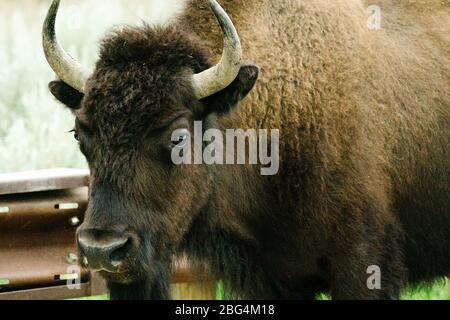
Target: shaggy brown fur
[[365, 161]]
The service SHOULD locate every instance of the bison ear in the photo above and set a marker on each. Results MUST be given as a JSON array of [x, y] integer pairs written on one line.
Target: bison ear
[[66, 94], [224, 101]]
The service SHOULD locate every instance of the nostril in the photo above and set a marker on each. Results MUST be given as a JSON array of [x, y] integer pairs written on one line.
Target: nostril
[[106, 250], [120, 252]]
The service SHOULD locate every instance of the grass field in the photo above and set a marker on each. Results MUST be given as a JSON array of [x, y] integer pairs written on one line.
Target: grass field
[[33, 127]]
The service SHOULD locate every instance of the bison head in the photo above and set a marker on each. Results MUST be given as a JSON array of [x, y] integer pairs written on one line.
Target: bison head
[[147, 83]]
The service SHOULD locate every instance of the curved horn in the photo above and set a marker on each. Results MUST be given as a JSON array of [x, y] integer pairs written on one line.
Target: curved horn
[[223, 74], [66, 68]]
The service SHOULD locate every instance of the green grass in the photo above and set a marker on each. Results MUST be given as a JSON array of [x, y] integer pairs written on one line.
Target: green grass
[[440, 291], [33, 126]]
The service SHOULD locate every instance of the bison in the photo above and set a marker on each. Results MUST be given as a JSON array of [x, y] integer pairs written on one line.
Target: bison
[[360, 207]]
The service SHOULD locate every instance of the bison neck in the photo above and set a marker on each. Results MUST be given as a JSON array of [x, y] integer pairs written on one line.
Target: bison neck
[[226, 236]]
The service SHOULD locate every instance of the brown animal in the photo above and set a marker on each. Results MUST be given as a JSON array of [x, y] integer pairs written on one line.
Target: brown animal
[[364, 118]]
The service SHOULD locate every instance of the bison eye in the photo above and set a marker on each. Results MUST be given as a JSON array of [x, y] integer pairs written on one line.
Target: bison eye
[[75, 135]]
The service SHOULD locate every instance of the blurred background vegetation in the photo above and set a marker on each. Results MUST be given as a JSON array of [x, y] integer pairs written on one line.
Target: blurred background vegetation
[[33, 126]]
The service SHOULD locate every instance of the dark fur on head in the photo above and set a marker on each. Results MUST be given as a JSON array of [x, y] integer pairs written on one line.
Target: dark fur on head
[[139, 88]]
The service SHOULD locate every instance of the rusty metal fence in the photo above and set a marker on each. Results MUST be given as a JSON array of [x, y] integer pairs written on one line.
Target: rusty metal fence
[[39, 214]]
